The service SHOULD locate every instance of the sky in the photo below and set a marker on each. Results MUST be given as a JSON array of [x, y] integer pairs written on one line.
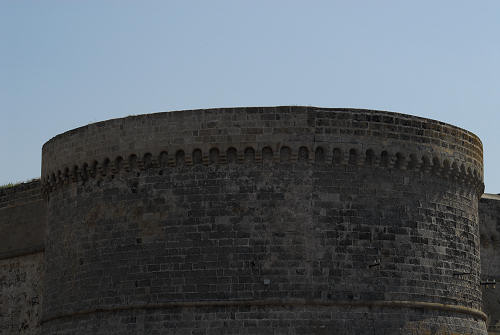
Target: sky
[[64, 64]]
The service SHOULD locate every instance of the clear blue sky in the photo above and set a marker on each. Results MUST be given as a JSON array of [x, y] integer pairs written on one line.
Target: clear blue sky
[[64, 64]]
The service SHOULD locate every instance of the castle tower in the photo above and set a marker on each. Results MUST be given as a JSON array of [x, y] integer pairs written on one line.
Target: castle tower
[[274, 220]]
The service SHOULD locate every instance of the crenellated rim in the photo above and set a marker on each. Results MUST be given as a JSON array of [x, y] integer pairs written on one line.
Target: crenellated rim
[[196, 136], [327, 155]]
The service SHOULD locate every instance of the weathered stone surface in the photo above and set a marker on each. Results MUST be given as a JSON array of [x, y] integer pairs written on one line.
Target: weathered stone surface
[[23, 215], [489, 218], [21, 294], [293, 220], [22, 232]]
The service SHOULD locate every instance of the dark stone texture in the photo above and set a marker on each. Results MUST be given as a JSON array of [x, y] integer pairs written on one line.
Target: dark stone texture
[[21, 280], [22, 228], [276, 220], [489, 218], [23, 216]]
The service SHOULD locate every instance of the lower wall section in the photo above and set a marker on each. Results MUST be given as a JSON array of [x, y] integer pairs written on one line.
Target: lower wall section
[[20, 294], [489, 218], [272, 320]]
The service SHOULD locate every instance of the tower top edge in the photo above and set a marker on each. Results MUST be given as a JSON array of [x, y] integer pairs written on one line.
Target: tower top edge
[[255, 109]]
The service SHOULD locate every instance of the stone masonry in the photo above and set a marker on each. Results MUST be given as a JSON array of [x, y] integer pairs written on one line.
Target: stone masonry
[[272, 220], [22, 231], [489, 217]]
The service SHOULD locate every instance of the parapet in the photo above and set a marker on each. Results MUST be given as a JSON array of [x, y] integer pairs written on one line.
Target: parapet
[[337, 135]]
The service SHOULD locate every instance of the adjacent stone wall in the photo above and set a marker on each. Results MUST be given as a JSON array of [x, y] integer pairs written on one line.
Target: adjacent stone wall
[[21, 294], [22, 227], [293, 220], [23, 216], [489, 218]]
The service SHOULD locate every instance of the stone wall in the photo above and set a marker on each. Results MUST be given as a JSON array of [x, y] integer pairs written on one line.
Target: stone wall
[[293, 220], [489, 217], [23, 216], [21, 294], [22, 227]]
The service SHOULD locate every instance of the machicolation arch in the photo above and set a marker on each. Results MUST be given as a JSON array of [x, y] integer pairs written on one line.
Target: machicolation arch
[[339, 156]]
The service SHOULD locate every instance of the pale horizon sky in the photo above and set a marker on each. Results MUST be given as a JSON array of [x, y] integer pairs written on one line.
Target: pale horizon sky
[[64, 64]]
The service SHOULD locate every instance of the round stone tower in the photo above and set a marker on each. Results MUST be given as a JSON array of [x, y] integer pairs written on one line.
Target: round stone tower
[[273, 220]]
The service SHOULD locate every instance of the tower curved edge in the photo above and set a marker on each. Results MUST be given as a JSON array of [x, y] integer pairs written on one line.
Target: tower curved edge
[[283, 219]]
